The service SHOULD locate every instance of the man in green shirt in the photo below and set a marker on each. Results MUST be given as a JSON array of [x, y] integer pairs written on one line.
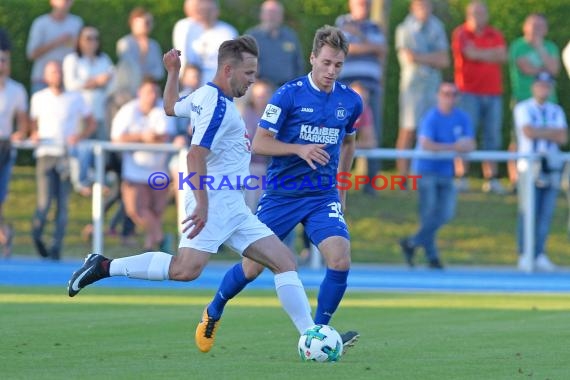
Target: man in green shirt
[[529, 55]]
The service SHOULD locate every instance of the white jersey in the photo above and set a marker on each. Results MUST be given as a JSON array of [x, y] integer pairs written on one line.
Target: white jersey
[[218, 126]]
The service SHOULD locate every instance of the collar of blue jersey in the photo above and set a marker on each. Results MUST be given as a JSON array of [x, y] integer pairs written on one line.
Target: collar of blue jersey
[[313, 85], [220, 91]]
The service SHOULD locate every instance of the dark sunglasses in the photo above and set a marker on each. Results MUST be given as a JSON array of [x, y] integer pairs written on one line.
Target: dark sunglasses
[[448, 93], [92, 38]]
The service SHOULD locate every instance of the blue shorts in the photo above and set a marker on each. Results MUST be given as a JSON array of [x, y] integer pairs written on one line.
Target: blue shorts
[[321, 215]]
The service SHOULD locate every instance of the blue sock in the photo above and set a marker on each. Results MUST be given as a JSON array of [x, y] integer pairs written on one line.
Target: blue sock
[[330, 294], [233, 283]]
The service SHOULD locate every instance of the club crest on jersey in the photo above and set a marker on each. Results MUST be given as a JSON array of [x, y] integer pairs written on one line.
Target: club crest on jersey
[[340, 113], [271, 113]]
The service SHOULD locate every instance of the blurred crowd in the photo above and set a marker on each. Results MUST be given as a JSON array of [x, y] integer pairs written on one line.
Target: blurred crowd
[[78, 96]]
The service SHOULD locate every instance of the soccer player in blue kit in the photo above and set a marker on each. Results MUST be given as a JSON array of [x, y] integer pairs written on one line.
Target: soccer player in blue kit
[[307, 128]]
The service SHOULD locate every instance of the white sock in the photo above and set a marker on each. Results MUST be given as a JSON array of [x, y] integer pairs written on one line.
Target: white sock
[[294, 299], [147, 266]]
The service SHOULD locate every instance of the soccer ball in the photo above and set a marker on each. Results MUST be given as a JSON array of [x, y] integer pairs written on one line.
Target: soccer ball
[[320, 343]]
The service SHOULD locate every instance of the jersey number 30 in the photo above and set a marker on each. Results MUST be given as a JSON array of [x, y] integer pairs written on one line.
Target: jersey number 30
[[336, 211]]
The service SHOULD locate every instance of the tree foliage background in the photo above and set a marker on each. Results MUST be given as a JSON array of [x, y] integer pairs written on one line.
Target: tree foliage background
[[305, 16]]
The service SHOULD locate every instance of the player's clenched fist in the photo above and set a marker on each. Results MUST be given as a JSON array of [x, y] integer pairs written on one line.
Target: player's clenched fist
[[171, 60]]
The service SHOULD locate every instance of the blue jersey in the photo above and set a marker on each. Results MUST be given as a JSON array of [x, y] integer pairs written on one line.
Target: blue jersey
[[299, 113], [442, 128]]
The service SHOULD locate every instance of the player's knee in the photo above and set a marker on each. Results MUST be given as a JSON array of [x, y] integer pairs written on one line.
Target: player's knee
[[251, 269], [341, 263], [184, 274], [283, 263]]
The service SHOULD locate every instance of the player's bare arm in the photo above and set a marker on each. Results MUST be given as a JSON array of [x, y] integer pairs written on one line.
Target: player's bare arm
[[171, 61], [264, 142], [195, 222], [345, 161]]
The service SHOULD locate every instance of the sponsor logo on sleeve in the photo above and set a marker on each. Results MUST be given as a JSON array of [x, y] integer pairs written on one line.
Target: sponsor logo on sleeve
[[271, 114]]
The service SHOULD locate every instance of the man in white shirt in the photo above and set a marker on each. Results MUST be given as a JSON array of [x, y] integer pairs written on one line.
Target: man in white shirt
[[183, 26], [56, 117], [142, 120], [13, 107], [540, 128], [219, 152], [52, 36], [205, 37]]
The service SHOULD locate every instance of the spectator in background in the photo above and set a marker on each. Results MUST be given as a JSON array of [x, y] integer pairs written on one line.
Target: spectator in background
[[532, 54], [52, 36], [5, 43], [280, 55], [88, 70], [56, 116], [260, 93], [182, 28], [139, 55], [365, 131], [142, 120], [13, 108], [528, 56], [479, 50], [190, 79], [540, 128], [205, 38], [443, 128], [365, 64], [422, 52]]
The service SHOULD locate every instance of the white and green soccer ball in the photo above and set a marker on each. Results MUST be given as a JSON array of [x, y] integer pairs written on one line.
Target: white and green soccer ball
[[320, 343]]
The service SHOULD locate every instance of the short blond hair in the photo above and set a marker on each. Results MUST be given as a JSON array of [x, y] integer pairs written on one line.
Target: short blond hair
[[330, 36]]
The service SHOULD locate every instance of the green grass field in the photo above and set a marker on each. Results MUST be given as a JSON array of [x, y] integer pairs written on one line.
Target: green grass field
[[483, 232], [148, 334]]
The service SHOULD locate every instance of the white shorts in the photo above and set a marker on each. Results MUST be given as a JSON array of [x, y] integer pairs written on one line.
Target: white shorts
[[230, 222]]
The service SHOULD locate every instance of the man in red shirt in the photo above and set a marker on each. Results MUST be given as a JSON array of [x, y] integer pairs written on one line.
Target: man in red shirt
[[478, 52]]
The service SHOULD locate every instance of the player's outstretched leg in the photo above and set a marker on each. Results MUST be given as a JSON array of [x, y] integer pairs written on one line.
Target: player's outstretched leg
[[94, 269], [232, 284], [146, 266]]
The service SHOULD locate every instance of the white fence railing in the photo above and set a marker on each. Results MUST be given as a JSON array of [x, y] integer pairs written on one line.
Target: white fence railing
[[99, 149]]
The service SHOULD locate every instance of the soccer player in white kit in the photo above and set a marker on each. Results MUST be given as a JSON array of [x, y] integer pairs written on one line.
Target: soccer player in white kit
[[219, 151]]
